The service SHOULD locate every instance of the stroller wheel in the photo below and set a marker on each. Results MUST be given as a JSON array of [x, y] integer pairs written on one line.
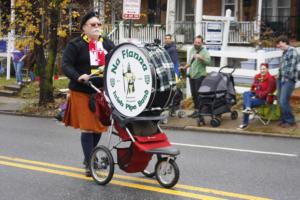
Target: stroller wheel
[[181, 114], [102, 165], [215, 122], [167, 172], [172, 113], [234, 115], [150, 169]]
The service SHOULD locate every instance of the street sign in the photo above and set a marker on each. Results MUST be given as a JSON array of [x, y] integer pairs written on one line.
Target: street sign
[[131, 9]]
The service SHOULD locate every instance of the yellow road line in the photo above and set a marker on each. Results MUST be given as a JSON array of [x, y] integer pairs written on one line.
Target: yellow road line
[[178, 186], [115, 182]]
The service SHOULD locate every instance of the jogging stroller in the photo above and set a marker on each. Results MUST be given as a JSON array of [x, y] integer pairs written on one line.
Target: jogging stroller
[[216, 96], [139, 135]]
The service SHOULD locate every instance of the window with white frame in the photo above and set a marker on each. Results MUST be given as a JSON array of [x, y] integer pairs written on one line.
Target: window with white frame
[[184, 10], [229, 4], [189, 10], [179, 10], [276, 10]]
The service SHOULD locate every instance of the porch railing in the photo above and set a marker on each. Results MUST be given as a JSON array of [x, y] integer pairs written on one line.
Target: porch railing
[[144, 33], [240, 32]]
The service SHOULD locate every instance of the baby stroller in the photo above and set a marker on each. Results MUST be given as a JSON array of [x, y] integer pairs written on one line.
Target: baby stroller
[[216, 96], [176, 103], [139, 135]]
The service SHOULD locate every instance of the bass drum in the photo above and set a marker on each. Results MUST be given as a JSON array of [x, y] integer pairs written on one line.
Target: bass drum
[[133, 79]]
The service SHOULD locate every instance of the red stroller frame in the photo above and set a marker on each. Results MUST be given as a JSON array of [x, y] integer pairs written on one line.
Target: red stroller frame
[[136, 157]]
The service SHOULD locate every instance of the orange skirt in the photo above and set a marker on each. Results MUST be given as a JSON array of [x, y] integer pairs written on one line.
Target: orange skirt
[[79, 115]]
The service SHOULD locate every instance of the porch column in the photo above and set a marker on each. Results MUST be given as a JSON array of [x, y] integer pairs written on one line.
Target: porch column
[[11, 39], [225, 36], [258, 20], [198, 17], [170, 18]]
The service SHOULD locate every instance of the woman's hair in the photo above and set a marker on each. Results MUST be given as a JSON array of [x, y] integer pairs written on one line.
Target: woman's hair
[[265, 64]]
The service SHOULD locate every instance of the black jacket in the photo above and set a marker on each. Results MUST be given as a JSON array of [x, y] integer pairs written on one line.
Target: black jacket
[[76, 61], [171, 49]]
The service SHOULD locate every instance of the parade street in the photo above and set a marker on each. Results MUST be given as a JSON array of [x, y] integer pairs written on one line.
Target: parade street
[[40, 159]]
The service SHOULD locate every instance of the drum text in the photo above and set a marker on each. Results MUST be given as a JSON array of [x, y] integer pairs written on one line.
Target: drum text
[[130, 107], [142, 101], [127, 53], [118, 98], [115, 66]]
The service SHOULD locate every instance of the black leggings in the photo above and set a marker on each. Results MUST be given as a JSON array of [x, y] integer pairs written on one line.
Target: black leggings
[[88, 142]]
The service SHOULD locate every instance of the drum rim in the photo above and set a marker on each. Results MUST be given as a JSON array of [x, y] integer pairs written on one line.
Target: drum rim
[[153, 72]]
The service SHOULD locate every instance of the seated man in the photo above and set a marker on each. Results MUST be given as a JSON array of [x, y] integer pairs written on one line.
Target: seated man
[[263, 85]]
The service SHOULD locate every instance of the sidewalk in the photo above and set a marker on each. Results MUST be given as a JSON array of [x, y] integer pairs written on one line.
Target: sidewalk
[[12, 105], [231, 126]]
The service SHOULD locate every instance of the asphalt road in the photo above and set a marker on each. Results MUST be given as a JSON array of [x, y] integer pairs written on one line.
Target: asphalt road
[[41, 159]]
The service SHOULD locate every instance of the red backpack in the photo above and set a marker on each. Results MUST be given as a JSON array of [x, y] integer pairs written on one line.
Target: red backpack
[[102, 111]]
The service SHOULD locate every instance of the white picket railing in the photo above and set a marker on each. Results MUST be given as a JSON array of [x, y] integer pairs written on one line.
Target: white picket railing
[[240, 32]]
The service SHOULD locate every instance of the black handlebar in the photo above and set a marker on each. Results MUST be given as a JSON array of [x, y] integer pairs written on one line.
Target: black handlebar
[[228, 66]]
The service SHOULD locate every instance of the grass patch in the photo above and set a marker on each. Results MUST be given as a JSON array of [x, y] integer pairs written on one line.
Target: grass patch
[[31, 93], [3, 81], [61, 83]]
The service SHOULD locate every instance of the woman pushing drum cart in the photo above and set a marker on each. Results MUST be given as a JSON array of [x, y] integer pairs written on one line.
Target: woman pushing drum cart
[[139, 85]]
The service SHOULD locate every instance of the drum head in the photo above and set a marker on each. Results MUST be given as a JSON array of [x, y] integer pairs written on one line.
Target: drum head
[[129, 80]]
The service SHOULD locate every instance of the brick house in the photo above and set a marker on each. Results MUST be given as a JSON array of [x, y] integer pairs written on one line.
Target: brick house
[[251, 16]]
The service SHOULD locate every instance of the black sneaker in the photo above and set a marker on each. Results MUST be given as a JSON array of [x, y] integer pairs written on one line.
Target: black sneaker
[[88, 172]]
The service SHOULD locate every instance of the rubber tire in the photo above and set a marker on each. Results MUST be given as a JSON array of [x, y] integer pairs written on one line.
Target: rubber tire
[[176, 171], [181, 114], [110, 163], [234, 115], [172, 114], [215, 122]]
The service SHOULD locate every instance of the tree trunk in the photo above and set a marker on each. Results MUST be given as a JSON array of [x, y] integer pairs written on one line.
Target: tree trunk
[[46, 73]]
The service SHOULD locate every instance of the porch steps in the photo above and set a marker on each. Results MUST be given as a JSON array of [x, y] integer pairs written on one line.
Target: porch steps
[[10, 90], [8, 93], [12, 87]]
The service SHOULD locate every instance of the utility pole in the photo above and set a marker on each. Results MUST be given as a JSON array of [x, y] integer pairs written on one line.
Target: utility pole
[[11, 38]]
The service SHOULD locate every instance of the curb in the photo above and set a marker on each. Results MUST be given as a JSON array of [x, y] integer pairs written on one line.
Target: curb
[[17, 113], [227, 131], [182, 128]]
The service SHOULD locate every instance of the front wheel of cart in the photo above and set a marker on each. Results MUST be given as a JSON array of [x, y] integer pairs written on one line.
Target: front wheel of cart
[[102, 165], [167, 172]]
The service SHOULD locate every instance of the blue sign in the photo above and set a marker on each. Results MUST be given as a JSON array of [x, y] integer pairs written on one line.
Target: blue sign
[[3, 48]]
